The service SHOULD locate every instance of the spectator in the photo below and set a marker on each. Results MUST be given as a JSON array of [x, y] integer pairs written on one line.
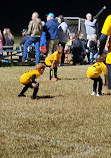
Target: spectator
[[84, 43], [35, 31], [51, 31], [63, 35], [8, 37], [1, 42], [8, 40], [93, 48], [25, 36], [77, 50], [90, 26]]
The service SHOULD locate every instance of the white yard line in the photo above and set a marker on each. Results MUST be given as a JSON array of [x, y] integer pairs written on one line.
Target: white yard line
[[84, 149]]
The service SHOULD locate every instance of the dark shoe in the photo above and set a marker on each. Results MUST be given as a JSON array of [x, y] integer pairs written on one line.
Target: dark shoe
[[21, 95], [33, 97]]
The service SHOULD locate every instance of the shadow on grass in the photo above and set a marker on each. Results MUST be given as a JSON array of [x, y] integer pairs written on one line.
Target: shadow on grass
[[47, 97], [68, 79], [107, 94]]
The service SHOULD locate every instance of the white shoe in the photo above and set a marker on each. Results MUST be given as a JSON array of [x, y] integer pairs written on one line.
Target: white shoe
[[93, 93], [98, 94]]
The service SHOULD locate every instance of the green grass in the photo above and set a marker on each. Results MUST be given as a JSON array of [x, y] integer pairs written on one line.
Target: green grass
[[65, 122], [17, 39]]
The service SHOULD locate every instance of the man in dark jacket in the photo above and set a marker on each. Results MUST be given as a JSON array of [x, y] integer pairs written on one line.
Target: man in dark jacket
[[77, 49], [51, 30]]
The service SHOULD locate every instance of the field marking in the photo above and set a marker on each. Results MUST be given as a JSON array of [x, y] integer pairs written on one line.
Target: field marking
[[88, 150]]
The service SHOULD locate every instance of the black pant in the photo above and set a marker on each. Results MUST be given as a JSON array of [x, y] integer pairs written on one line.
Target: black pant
[[109, 75], [63, 55], [77, 58], [55, 73], [30, 86], [96, 80]]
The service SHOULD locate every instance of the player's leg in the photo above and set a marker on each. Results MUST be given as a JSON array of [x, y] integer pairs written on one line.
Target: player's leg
[[94, 86], [51, 74], [55, 72], [36, 88], [21, 94], [100, 86]]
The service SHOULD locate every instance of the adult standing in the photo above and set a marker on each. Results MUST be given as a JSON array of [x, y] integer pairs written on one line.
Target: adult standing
[[35, 31], [51, 31], [63, 34], [90, 26]]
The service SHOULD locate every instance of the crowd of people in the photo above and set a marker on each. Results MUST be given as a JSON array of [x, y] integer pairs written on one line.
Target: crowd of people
[[56, 38], [55, 31]]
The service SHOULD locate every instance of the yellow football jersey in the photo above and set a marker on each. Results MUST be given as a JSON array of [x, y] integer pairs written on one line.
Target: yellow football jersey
[[55, 56], [96, 69], [27, 76], [107, 31]]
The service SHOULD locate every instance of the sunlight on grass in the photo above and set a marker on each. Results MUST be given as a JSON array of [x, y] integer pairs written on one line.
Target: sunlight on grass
[[64, 122]]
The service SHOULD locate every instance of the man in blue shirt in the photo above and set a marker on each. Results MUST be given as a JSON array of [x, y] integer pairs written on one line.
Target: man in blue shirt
[[51, 31]]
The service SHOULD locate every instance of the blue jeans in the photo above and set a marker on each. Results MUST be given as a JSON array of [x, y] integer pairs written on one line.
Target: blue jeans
[[93, 57], [36, 41]]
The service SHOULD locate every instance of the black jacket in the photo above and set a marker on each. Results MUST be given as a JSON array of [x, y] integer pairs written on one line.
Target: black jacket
[[77, 46], [7, 41], [24, 39], [93, 47]]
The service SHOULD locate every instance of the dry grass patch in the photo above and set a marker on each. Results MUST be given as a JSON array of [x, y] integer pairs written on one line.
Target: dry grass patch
[[65, 122]]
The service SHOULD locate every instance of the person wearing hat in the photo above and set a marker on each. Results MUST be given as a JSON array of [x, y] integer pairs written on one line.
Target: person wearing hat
[[51, 31], [94, 71], [25, 36]]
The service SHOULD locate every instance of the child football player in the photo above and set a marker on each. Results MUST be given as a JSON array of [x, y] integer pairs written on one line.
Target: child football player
[[94, 72], [28, 79], [52, 62]]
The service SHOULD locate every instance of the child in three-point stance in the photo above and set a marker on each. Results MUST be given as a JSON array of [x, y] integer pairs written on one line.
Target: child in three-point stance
[[28, 79], [94, 72], [52, 62]]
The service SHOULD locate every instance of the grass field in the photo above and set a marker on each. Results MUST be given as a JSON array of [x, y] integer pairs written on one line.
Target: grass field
[[65, 122]]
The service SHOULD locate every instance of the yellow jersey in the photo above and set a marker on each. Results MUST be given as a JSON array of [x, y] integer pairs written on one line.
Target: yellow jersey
[[55, 56], [107, 31], [96, 69], [27, 76]]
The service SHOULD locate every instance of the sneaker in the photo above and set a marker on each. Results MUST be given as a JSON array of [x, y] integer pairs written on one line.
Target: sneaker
[[21, 95], [54, 79], [93, 93], [99, 94]]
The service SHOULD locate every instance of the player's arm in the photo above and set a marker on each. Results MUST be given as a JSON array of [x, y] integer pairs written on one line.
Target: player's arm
[[105, 78], [103, 39], [33, 78], [55, 62]]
